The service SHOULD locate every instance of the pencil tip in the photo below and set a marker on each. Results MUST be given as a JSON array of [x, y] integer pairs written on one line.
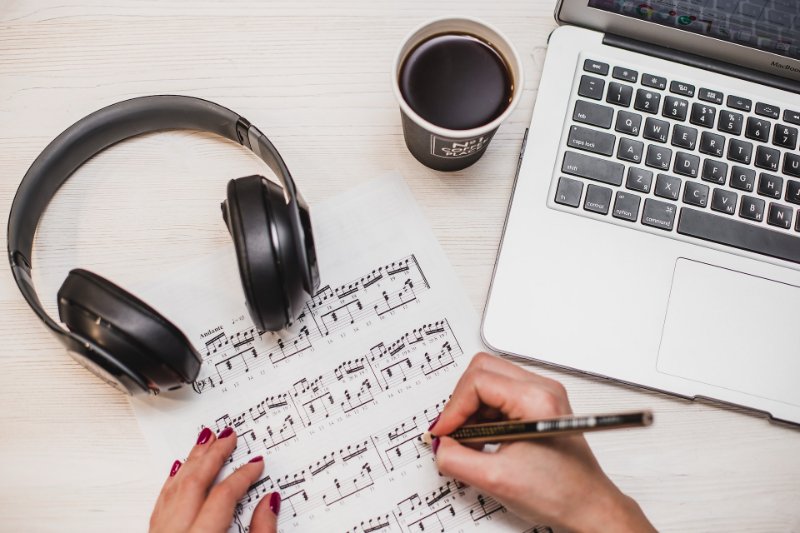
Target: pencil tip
[[427, 437]]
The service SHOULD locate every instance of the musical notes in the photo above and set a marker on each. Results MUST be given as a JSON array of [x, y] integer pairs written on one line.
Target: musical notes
[[336, 403]]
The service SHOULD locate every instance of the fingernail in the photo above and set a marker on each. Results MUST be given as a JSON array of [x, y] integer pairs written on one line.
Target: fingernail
[[175, 467], [275, 502], [256, 459], [434, 422], [204, 435], [227, 432], [435, 444]]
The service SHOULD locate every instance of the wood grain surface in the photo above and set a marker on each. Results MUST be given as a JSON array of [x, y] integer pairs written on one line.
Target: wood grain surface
[[315, 76]]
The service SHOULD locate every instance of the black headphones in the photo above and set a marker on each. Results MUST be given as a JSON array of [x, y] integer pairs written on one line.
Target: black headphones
[[110, 331]]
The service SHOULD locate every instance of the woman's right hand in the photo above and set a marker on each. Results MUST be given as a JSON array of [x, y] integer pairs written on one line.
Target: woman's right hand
[[555, 481]]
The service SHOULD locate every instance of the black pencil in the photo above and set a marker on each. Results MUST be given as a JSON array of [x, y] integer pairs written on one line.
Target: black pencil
[[510, 430]]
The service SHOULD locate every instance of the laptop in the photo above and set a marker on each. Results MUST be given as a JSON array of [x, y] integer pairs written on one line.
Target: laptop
[[653, 235]]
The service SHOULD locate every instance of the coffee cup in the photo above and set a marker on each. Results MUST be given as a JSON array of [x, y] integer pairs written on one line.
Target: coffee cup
[[456, 80]]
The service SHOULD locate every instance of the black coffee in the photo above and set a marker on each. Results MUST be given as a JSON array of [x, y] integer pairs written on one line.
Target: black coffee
[[456, 81]]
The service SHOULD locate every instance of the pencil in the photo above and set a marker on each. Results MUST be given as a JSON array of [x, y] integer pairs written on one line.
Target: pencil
[[511, 430]]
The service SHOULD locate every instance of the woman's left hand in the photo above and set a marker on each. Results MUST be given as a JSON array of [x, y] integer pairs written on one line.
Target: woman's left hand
[[189, 504]]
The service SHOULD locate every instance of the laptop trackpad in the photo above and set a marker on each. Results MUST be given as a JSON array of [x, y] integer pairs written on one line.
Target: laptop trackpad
[[732, 330]]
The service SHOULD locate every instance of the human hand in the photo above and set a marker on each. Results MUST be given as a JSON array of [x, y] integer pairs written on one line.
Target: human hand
[[557, 480], [189, 504]]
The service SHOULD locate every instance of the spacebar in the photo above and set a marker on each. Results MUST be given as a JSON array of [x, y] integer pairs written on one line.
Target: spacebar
[[739, 235]]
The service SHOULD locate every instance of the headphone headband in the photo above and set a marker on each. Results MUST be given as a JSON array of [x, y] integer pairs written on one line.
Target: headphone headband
[[115, 123]]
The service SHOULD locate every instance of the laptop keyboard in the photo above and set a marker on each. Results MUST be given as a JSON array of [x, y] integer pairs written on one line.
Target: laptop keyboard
[[683, 158]]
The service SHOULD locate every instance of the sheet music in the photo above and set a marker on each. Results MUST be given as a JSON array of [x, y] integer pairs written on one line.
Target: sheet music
[[336, 404]]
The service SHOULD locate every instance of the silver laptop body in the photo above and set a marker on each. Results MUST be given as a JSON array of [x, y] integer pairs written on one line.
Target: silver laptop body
[[653, 235]]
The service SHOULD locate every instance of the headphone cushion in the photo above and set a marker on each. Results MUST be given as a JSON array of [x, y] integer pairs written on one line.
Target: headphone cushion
[[250, 221], [127, 328]]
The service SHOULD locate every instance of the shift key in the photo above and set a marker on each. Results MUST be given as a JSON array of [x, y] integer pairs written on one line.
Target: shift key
[[593, 168], [591, 140]]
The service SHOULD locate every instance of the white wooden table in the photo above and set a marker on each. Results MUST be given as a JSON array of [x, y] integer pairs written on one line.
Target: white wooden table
[[314, 75]]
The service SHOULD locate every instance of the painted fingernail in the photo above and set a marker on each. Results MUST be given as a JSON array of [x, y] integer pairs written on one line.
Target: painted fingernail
[[256, 459], [435, 444], [204, 435], [434, 422], [275, 503], [175, 467], [227, 432]]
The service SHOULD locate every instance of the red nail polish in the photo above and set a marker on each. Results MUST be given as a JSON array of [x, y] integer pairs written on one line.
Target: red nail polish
[[227, 432], [204, 435], [256, 459], [275, 503], [175, 467], [435, 444], [434, 422]]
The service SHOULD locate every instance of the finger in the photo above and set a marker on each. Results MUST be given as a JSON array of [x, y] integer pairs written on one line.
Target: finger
[[498, 365], [475, 468], [515, 399], [205, 439], [217, 512], [265, 516]]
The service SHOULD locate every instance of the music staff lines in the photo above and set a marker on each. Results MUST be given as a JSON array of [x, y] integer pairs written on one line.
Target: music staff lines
[[340, 474], [332, 309]]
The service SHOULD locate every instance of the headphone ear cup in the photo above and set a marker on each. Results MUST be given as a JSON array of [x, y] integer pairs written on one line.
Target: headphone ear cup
[[128, 329], [258, 220]]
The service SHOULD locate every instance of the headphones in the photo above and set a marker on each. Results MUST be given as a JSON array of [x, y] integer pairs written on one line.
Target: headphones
[[109, 330]]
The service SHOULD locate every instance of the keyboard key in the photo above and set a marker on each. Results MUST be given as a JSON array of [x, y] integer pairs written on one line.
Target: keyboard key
[[730, 122], [785, 136], [769, 185], [703, 115], [792, 117], [742, 104], [569, 192], [767, 110], [767, 158], [630, 150], [708, 95], [684, 137], [675, 108], [656, 82], [658, 214], [625, 74], [724, 201], [686, 164], [715, 171], [780, 215], [656, 130], [695, 194], [594, 114], [597, 199], [668, 186], [658, 157], [743, 179], [626, 206], [757, 129], [712, 144], [738, 234], [628, 122], [647, 101], [684, 89], [752, 208], [596, 67], [793, 191], [592, 168], [619, 94], [591, 87], [591, 140], [740, 151], [639, 179], [791, 165]]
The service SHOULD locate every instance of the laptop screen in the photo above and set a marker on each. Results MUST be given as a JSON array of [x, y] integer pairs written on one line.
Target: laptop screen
[[768, 25]]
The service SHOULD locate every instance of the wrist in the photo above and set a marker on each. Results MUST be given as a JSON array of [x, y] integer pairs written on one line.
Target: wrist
[[611, 510]]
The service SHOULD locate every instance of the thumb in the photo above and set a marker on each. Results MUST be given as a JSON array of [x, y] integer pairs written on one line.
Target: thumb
[[265, 517], [478, 469]]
